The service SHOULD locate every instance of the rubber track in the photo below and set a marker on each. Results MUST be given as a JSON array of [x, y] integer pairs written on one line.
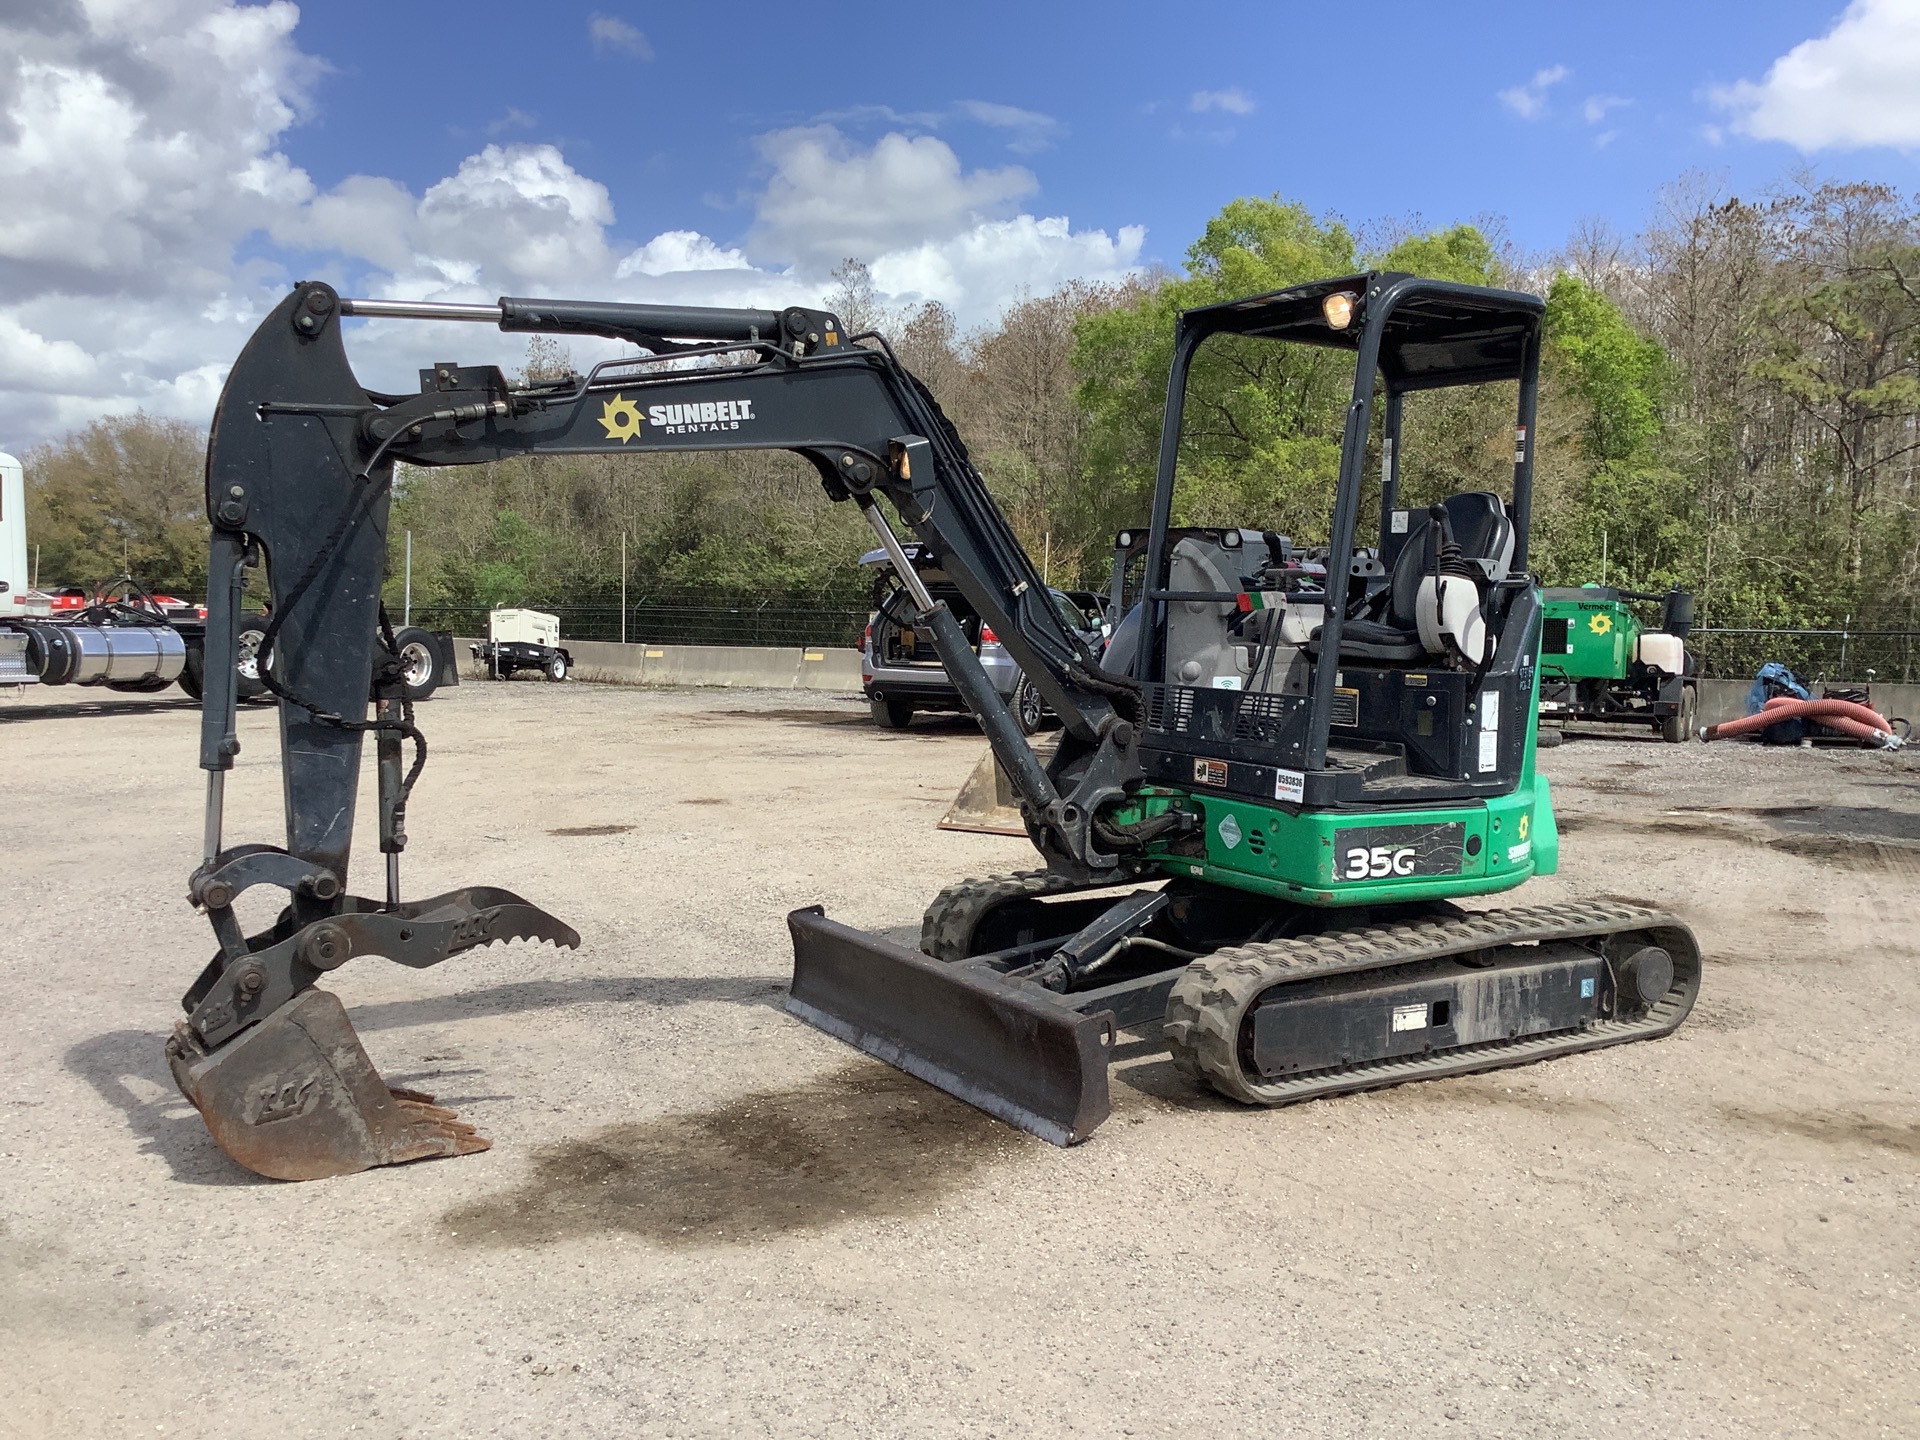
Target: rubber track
[[1210, 1001], [947, 929]]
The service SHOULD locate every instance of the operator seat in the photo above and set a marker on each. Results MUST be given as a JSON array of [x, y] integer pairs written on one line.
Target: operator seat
[[1485, 536]]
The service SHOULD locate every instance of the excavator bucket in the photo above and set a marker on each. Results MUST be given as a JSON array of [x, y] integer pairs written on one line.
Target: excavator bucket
[[1009, 1048], [292, 1095], [296, 1098], [986, 803]]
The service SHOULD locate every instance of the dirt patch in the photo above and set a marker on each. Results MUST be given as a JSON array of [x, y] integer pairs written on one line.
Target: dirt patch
[[862, 1141], [835, 718], [1850, 851], [707, 800], [1834, 1127], [591, 830], [1871, 821], [1853, 854]]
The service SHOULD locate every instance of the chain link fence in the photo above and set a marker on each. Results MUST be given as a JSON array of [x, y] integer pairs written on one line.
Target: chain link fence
[[1889, 656]]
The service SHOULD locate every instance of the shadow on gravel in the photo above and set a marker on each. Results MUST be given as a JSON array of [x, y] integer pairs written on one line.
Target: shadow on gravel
[[835, 719], [128, 1069], [1832, 1127], [94, 708], [548, 994], [859, 1142]]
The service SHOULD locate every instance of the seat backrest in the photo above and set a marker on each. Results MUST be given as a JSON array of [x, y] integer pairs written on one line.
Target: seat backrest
[[1481, 530]]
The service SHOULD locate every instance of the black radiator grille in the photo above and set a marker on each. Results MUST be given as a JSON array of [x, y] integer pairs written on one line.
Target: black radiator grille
[[1224, 715]]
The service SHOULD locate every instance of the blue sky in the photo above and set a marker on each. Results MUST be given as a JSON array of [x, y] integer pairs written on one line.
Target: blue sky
[[1398, 115], [171, 166]]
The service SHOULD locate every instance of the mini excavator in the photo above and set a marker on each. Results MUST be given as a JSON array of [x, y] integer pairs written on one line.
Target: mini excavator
[[1270, 795]]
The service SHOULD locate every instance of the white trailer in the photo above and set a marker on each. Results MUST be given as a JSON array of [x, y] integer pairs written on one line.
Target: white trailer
[[17, 600]]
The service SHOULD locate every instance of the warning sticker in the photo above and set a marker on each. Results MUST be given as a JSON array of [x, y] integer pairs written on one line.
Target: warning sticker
[[1399, 526], [1409, 1017], [1489, 750], [1210, 772]]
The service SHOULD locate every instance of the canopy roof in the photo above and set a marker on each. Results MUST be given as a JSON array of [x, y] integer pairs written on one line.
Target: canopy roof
[[1435, 332]]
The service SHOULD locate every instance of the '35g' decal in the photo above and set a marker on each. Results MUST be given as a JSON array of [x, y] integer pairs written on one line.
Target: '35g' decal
[[1392, 852], [1376, 862]]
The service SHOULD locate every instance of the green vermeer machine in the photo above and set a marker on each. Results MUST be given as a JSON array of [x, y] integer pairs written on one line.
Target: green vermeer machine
[[1600, 662], [1275, 795]]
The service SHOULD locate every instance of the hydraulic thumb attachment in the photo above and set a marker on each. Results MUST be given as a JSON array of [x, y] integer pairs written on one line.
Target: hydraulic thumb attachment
[[294, 477]]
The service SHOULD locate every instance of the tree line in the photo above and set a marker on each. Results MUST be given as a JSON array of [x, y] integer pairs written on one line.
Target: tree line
[[1730, 402]]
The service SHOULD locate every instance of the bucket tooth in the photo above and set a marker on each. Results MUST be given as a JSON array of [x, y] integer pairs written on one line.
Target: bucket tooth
[[296, 1098], [1010, 1049]]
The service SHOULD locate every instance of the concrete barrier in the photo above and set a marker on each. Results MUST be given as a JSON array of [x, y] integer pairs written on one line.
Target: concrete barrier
[[768, 667], [760, 667]]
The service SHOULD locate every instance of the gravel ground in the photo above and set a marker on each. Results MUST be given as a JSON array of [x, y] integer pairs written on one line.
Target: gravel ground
[[702, 1218]]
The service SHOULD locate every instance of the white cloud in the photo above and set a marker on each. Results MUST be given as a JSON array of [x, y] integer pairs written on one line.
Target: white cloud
[[1232, 100], [828, 199], [1030, 130], [979, 270], [677, 252], [137, 289], [612, 35], [1596, 108], [1529, 101], [1857, 85]]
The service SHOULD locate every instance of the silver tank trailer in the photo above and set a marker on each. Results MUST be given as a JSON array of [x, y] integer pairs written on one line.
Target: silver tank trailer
[[118, 655]]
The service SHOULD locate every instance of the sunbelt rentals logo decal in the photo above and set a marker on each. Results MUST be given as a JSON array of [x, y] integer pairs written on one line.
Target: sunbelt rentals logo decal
[[622, 421]]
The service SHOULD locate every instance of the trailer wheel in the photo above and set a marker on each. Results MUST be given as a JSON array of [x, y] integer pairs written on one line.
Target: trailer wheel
[[557, 668], [253, 629], [419, 662], [1678, 727]]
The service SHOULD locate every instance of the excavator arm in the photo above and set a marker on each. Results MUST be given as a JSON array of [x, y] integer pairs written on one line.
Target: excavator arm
[[300, 465]]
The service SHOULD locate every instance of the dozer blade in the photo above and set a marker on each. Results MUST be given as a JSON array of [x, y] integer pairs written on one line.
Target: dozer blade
[[1011, 1049], [296, 1098]]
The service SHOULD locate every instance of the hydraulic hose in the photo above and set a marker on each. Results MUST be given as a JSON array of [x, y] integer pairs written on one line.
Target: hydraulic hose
[[1861, 722]]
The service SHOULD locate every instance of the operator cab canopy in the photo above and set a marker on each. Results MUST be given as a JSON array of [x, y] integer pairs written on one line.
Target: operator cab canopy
[[1437, 333]]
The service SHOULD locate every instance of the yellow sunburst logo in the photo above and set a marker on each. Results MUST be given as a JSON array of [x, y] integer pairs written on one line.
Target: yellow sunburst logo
[[1526, 824], [620, 417], [1600, 624]]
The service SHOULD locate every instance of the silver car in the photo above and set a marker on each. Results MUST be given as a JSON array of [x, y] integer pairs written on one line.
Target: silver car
[[901, 672]]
